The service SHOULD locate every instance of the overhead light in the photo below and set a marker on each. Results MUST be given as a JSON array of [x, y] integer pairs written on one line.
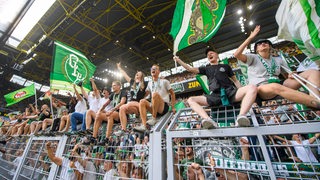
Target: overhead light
[[169, 49], [130, 48], [153, 37], [148, 58], [239, 11], [250, 7], [26, 61], [108, 59], [242, 30], [31, 18], [144, 26], [251, 23]]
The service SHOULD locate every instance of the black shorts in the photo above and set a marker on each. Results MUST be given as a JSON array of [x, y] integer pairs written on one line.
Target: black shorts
[[165, 110], [214, 99]]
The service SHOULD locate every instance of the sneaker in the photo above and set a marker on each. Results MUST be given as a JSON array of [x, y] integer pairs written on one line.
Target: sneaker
[[140, 128], [103, 142], [152, 121], [85, 140], [93, 141], [81, 132], [4, 142], [89, 132], [242, 121], [72, 133], [208, 124], [119, 133], [137, 120]]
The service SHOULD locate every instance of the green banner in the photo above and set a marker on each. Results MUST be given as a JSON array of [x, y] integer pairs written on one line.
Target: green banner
[[305, 170], [196, 21], [70, 67], [19, 95]]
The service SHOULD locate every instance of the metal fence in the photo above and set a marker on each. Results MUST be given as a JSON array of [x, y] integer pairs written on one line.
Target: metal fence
[[281, 143]]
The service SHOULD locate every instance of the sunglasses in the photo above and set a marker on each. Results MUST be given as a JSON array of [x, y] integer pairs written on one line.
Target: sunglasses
[[265, 42]]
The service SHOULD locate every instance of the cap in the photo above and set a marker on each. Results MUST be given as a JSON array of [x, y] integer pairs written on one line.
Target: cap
[[210, 49], [261, 41]]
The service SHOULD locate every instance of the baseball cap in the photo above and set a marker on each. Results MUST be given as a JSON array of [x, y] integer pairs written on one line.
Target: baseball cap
[[261, 41], [210, 49]]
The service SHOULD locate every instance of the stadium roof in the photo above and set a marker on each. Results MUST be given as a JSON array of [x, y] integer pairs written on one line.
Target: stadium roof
[[135, 33]]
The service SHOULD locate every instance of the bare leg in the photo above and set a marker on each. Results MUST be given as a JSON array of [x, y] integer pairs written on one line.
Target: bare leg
[[247, 95], [33, 126], [311, 75], [46, 122], [144, 105], [111, 118], [269, 91], [196, 103], [97, 123], [67, 124], [63, 122], [130, 108], [89, 116], [38, 127], [157, 104], [26, 129]]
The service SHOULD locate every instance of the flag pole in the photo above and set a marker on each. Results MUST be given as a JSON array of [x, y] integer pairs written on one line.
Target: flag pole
[[35, 96], [51, 107]]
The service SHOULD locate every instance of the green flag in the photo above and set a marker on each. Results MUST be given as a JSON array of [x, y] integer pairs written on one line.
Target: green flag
[[299, 21], [196, 21], [19, 95], [70, 66]]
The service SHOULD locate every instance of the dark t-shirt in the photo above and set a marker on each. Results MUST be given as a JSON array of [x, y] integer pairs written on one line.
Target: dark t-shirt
[[43, 116], [117, 97], [218, 76], [137, 94]]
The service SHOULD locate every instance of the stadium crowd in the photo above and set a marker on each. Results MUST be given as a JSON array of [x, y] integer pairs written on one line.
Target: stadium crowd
[[109, 135]]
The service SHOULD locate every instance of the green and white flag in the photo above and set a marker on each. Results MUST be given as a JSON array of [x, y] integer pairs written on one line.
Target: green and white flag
[[196, 21], [19, 95], [70, 67], [299, 21]]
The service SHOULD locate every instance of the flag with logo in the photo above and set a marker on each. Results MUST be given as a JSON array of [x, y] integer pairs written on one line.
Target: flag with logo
[[19, 95], [196, 21], [299, 21], [69, 67]]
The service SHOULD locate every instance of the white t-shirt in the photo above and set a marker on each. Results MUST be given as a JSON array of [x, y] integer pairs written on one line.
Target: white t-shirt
[[161, 86], [93, 103], [257, 73], [104, 100], [90, 171], [110, 175], [303, 151], [67, 172], [81, 106]]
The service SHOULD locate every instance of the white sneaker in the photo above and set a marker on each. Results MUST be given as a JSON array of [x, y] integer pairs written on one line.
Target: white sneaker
[[242, 121], [140, 128], [208, 124], [152, 121]]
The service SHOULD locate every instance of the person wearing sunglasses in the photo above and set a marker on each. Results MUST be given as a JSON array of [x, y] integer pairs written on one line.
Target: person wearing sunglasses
[[264, 70]]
